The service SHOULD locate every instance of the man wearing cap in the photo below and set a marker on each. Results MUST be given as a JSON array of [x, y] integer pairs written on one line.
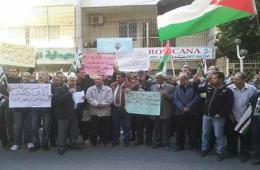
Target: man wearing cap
[[162, 123], [66, 110], [100, 98]]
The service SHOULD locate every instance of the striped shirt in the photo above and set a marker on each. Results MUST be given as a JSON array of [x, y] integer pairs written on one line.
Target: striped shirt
[[241, 99]]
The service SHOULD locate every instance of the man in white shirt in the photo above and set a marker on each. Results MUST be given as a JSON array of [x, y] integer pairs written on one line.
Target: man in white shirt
[[100, 98], [242, 93]]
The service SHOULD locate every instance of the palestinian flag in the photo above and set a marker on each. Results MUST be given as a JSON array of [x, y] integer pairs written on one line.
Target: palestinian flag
[[203, 67], [174, 20], [166, 57], [3, 100], [2, 76], [244, 123]]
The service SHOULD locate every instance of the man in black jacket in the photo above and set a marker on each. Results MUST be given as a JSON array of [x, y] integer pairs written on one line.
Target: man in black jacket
[[255, 102], [219, 103], [66, 113]]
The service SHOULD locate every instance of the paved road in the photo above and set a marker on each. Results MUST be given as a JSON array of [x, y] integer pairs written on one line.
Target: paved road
[[117, 158]]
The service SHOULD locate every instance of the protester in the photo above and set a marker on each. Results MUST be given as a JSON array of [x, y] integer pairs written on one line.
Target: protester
[[143, 123], [242, 92], [67, 115], [119, 114], [37, 114], [23, 121], [83, 83], [100, 98], [219, 102], [186, 101], [255, 102], [57, 82], [162, 123]]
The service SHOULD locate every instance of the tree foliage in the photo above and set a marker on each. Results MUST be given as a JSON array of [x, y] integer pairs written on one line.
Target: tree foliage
[[247, 30]]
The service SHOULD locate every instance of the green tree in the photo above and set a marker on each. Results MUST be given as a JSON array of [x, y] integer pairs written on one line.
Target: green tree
[[247, 30]]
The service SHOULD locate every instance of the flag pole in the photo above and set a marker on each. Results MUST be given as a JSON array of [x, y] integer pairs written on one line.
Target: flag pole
[[257, 21], [173, 70], [5, 78]]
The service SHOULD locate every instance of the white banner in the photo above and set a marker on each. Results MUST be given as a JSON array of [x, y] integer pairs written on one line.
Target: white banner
[[135, 61], [181, 53], [29, 95]]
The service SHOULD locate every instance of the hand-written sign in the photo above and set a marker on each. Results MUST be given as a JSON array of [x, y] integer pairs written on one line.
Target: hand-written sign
[[29, 95], [135, 61], [99, 64], [17, 55], [141, 102]]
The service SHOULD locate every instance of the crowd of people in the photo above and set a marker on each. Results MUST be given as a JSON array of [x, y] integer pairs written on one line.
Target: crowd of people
[[205, 110]]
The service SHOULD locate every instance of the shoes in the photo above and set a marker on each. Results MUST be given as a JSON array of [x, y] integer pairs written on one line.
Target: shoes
[[5, 145], [45, 148], [61, 151], [256, 162], [126, 144], [220, 157], [231, 155], [203, 153], [108, 144], [195, 150], [148, 143], [167, 148], [136, 143], [132, 138], [179, 148], [15, 148], [31, 147], [34, 148], [74, 147], [157, 146], [115, 143], [87, 142], [243, 158]]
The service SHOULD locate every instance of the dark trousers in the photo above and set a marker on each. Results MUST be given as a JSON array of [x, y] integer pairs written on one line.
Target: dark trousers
[[232, 139], [120, 118], [68, 128], [162, 131], [23, 124], [144, 123], [4, 128], [7, 126], [53, 128], [37, 114], [85, 129], [256, 136], [191, 124], [100, 126], [133, 120], [10, 125]]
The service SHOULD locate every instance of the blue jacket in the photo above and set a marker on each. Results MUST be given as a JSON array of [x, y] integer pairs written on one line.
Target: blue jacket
[[189, 99]]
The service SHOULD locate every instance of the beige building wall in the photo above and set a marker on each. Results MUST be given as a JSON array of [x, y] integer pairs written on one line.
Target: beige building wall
[[48, 26], [143, 16]]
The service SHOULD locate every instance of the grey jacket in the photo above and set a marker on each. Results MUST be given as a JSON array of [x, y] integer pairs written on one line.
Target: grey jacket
[[187, 97], [166, 100]]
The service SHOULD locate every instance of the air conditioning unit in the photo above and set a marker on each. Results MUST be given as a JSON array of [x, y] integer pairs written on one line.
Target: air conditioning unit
[[97, 20]]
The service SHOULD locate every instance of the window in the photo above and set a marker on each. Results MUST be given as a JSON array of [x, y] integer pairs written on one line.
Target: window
[[38, 33], [128, 29], [54, 32]]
